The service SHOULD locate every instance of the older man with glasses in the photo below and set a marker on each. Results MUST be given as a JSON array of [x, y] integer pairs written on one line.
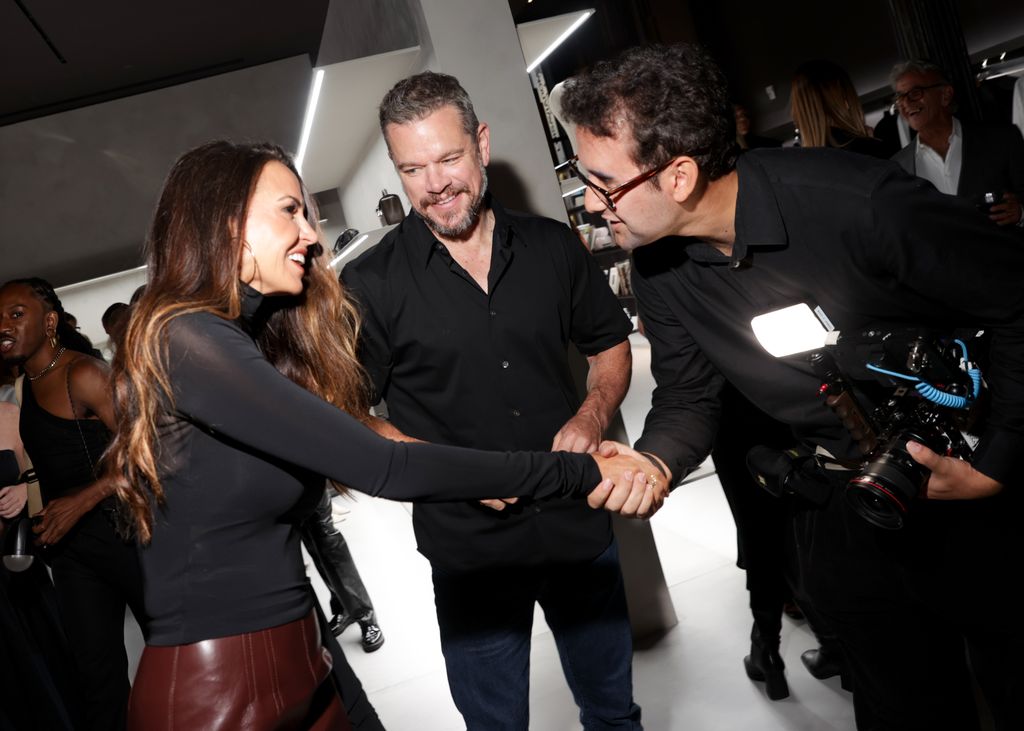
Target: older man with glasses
[[981, 162]]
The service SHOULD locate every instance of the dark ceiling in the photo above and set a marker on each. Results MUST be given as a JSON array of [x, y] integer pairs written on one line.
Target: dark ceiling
[[76, 189], [62, 55]]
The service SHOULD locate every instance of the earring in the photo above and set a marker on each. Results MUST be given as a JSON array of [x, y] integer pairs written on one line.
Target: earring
[[53, 339], [255, 264]]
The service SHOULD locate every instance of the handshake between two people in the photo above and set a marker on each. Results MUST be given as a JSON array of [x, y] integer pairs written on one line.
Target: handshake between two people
[[633, 485]]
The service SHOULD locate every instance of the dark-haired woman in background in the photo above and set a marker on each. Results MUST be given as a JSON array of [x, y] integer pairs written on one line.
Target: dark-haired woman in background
[[65, 424], [828, 113], [233, 383]]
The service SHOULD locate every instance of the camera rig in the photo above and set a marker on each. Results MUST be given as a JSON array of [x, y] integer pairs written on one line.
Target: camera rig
[[888, 385]]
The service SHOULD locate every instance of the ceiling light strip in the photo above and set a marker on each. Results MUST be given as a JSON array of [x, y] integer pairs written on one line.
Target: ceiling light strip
[[307, 123], [561, 39]]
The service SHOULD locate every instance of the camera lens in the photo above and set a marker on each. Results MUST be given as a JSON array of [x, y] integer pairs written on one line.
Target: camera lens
[[875, 504], [882, 493]]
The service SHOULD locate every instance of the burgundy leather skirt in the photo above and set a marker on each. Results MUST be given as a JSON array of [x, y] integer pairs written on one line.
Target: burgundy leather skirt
[[270, 680]]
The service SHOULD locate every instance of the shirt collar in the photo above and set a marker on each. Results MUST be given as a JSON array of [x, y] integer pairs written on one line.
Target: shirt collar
[[423, 239], [758, 219], [955, 135]]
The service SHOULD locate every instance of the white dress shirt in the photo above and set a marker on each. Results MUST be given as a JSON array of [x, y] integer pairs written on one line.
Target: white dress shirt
[[944, 174]]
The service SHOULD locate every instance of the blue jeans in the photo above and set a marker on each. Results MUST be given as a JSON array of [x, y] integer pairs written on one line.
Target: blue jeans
[[485, 620]]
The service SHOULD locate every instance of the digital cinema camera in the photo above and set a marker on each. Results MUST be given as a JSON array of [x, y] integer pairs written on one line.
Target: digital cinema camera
[[888, 385]]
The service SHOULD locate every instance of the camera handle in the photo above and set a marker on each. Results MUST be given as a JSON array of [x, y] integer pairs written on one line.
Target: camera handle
[[841, 400]]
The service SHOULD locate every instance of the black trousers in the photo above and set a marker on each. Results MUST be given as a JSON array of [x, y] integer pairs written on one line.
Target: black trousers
[[96, 575], [38, 684], [330, 553], [761, 519], [910, 606]]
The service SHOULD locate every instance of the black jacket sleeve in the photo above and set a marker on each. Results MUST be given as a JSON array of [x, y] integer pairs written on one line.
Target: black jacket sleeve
[[681, 425], [222, 382]]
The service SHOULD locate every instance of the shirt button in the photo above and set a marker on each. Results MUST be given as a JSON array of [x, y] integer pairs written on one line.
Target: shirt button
[[504, 364], [493, 313], [515, 412]]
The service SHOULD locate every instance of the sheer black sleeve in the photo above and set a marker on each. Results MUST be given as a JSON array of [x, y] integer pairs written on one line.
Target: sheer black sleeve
[[221, 381]]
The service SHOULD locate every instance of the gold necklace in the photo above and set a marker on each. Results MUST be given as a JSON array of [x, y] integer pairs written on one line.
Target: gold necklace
[[48, 368]]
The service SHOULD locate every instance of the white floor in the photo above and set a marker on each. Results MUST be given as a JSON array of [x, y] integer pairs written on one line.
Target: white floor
[[691, 679]]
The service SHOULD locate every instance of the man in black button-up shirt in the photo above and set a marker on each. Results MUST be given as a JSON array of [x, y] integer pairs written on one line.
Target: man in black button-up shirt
[[469, 311], [866, 243]]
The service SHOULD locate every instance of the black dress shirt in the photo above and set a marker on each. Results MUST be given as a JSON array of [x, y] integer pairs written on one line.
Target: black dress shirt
[[855, 236], [243, 454], [457, 365]]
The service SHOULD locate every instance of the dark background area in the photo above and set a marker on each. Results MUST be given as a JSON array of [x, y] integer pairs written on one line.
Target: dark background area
[[761, 44], [76, 189]]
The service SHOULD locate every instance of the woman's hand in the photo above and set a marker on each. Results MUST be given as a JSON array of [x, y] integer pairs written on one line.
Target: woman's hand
[[12, 500], [59, 516]]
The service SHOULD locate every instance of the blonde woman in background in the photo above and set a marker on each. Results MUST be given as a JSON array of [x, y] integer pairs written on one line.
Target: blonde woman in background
[[828, 113]]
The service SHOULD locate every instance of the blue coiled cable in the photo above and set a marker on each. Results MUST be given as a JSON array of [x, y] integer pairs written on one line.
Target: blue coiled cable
[[935, 395]]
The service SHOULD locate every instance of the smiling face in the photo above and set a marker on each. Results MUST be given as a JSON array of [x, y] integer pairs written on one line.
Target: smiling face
[[644, 213], [276, 236], [442, 169], [24, 323], [933, 108]]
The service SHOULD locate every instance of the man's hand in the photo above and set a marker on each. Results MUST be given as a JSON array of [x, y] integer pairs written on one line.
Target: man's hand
[[581, 434], [1007, 211], [632, 487], [499, 505], [12, 500], [952, 478], [59, 516], [609, 448]]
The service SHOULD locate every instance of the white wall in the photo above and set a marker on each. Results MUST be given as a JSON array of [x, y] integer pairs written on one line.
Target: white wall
[[360, 193], [89, 300]]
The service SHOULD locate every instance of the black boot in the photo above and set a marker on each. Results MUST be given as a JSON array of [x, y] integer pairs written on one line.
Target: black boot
[[765, 663], [826, 662]]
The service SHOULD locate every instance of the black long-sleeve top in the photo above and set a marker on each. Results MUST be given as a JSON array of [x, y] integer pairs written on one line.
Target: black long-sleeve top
[[243, 454], [858, 238]]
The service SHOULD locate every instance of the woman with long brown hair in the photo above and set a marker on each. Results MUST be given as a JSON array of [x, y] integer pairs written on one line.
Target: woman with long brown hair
[[238, 390]]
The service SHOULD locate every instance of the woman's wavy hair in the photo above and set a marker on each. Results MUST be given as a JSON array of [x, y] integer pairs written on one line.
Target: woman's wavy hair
[[67, 335], [823, 98], [193, 252]]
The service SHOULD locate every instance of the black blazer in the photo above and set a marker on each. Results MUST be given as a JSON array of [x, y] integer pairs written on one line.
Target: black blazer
[[993, 160]]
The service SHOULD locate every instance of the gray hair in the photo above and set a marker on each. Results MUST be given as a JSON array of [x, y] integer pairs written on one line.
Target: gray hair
[[418, 96], [916, 66]]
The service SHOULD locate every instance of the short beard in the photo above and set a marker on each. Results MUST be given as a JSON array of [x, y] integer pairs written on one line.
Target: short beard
[[461, 227]]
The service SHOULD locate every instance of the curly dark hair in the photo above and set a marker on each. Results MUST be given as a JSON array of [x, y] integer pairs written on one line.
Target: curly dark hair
[[675, 100]]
